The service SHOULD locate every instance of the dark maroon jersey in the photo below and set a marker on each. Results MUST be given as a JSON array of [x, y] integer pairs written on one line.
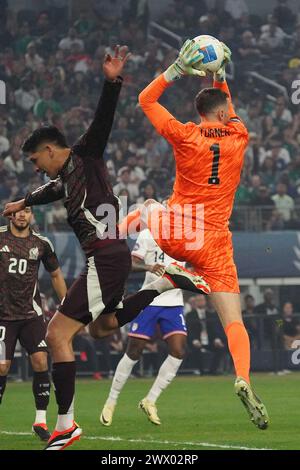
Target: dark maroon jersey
[[20, 259], [83, 181]]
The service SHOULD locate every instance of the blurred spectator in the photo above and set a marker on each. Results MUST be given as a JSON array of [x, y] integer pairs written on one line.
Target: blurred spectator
[[278, 153], [236, 8], [272, 339], [84, 25], [124, 177], [10, 189], [4, 142], [13, 163], [284, 204], [205, 333], [46, 103], [56, 217], [284, 15], [32, 58], [290, 325], [272, 36], [23, 38], [265, 203], [269, 173], [281, 114], [248, 49], [26, 95], [147, 191], [3, 172], [250, 321], [255, 152], [67, 43]]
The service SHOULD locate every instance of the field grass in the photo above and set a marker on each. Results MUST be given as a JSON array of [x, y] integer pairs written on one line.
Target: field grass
[[196, 413]]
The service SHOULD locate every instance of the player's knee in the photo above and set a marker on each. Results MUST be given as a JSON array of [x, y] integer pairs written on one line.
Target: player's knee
[[103, 326], [134, 352], [39, 362], [54, 337], [4, 369], [178, 352]]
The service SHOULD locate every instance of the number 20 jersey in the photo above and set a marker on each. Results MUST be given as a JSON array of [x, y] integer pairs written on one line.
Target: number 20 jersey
[[19, 265]]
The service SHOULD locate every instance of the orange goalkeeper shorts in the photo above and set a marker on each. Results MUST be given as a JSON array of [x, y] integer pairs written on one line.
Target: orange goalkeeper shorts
[[212, 258]]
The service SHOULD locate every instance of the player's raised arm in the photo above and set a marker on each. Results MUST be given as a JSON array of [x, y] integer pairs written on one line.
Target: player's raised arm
[[164, 122], [49, 192], [220, 79], [94, 141]]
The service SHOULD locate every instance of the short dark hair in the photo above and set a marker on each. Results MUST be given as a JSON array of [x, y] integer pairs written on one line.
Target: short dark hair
[[50, 134], [248, 297], [208, 99]]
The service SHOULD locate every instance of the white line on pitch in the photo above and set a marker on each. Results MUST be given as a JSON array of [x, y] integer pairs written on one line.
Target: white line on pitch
[[150, 441]]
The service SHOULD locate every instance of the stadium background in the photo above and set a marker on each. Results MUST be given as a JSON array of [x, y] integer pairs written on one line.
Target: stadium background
[[50, 62]]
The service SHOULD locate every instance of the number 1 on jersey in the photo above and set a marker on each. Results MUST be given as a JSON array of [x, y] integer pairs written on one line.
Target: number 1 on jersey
[[214, 179]]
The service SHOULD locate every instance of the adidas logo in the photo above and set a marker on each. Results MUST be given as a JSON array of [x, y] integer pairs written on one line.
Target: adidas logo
[[5, 249], [42, 344]]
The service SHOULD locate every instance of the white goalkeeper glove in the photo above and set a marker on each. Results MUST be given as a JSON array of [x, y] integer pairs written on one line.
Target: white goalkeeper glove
[[188, 56], [220, 75]]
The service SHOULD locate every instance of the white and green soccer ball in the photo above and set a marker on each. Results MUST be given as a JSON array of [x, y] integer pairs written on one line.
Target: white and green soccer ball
[[213, 52]]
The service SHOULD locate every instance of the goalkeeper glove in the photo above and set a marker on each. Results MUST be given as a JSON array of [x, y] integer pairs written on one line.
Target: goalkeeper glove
[[220, 75], [188, 56]]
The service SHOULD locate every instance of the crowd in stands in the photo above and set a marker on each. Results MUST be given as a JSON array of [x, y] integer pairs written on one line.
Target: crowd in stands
[[51, 65]]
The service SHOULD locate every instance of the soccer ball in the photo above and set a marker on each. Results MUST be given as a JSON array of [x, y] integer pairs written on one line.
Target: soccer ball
[[213, 53]]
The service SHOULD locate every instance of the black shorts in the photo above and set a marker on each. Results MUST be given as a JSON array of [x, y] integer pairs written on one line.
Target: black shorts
[[100, 287], [31, 334]]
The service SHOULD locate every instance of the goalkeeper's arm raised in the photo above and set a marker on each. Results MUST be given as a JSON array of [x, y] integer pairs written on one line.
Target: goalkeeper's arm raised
[[164, 122], [220, 79]]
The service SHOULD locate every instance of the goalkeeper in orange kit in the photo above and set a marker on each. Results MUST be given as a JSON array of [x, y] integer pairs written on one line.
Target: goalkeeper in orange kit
[[194, 225]]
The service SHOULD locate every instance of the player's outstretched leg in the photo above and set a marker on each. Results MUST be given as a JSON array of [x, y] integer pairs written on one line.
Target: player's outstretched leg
[[181, 278], [228, 307]]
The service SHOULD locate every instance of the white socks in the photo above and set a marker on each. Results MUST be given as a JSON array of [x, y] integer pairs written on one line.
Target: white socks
[[166, 374], [65, 421], [122, 373], [40, 416]]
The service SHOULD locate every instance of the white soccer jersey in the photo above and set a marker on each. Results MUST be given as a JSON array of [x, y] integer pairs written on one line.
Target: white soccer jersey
[[147, 249]]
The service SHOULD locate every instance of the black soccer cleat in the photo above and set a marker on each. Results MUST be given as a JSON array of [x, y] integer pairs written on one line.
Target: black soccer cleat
[[41, 431], [59, 440]]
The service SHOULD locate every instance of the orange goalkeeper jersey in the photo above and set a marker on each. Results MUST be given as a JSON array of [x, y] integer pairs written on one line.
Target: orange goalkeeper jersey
[[209, 156]]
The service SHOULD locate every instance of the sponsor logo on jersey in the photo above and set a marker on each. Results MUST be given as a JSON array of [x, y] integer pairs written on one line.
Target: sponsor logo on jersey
[[5, 249], [34, 253], [134, 326], [42, 344]]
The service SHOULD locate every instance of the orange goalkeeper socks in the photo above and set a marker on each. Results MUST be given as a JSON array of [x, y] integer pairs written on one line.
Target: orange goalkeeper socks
[[131, 223], [239, 347]]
